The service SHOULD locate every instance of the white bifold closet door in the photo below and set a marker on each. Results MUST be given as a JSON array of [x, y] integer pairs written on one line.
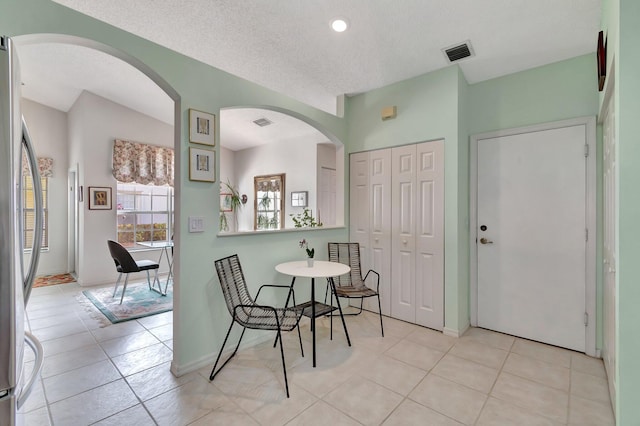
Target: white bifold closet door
[[417, 236]]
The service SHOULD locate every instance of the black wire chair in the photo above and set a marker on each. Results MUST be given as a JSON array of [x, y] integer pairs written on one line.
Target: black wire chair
[[245, 311], [352, 285]]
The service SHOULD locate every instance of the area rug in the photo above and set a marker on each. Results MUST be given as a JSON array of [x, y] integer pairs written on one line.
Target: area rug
[[47, 280], [138, 302]]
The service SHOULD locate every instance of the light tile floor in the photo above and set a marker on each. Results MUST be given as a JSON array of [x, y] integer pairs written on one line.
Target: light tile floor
[[119, 375]]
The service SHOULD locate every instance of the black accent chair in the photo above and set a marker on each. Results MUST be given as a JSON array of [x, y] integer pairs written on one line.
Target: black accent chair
[[352, 285], [125, 264], [245, 311]]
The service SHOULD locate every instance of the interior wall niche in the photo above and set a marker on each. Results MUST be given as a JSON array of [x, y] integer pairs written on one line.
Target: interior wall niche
[[256, 142]]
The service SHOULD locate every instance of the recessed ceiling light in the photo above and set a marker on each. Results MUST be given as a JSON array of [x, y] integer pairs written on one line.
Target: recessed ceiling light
[[339, 25]]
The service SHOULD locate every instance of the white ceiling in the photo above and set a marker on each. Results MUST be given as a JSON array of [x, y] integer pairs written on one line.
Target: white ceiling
[[288, 46]]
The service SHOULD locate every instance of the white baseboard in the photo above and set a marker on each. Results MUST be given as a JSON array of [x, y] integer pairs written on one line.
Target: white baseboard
[[453, 332], [208, 360]]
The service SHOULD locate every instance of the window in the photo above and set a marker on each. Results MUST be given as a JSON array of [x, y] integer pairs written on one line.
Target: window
[[29, 212], [269, 211], [145, 213]]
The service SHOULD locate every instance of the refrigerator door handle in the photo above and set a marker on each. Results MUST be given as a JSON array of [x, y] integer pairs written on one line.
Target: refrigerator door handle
[[35, 345], [39, 213]]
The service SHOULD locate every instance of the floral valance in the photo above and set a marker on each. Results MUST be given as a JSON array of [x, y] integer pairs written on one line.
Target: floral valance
[[45, 166], [268, 185], [142, 163]]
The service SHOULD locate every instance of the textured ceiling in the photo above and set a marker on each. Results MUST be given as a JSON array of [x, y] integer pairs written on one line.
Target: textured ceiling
[[287, 46]]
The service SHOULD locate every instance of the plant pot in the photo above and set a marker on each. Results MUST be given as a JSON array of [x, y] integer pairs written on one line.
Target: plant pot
[[310, 262]]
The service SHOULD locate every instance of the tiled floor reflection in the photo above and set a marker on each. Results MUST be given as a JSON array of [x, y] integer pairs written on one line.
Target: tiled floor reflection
[[103, 374]]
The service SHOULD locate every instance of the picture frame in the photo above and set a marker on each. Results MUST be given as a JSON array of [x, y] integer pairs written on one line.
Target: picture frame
[[100, 198], [202, 165], [299, 198], [601, 59], [202, 127], [225, 202]]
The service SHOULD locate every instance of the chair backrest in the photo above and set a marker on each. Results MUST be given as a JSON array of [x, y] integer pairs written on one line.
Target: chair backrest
[[122, 257], [234, 286], [349, 254]]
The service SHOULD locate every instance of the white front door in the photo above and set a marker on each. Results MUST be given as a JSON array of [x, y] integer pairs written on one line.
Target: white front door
[[531, 232]]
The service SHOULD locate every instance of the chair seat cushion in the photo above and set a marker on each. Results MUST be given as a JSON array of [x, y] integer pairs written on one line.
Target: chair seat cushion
[[147, 264], [354, 291]]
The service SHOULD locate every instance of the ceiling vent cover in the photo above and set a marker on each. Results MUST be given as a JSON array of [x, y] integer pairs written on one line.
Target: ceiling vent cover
[[262, 122], [459, 51]]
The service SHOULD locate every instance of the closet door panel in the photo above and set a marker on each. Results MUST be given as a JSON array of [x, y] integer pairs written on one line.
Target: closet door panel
[[430, 235], [379, 256], [403, 195], [359, 198]]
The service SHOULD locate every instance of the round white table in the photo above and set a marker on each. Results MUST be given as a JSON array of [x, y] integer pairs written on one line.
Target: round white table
[[320, 269]]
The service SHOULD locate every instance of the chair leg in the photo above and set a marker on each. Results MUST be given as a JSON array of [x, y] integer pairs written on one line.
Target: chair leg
[[344, 324], [214, 373], [124, 288], [284, 367], [330, 316], [156, 280], [380, 313], [115, 290], [300, 339]]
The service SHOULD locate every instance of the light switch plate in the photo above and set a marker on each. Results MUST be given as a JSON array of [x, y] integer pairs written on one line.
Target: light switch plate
[[196, 224]]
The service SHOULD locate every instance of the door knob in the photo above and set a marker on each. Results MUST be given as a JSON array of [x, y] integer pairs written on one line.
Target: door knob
[[485, 241]]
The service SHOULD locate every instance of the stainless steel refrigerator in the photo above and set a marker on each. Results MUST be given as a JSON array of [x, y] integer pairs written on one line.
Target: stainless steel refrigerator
[[15, 277]]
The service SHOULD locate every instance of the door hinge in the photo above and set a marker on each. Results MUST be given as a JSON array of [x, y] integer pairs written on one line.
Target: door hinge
[[586, 234], [586, 319], [586, 150]]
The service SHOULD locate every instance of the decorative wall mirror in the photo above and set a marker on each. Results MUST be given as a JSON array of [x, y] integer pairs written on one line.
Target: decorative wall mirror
[[268, 203]]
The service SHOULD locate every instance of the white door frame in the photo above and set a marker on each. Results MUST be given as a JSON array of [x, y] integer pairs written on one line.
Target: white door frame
[[590, 285]]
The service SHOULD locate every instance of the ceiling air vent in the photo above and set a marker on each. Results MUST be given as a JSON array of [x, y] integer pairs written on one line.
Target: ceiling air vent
[[262, 122], [459, 51]]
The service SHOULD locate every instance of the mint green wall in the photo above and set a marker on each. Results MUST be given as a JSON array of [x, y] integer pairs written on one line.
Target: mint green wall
[[553, 92], [200, 316], [442, 105], [621, 23], [463, 199], [558, 91], [427, 108]]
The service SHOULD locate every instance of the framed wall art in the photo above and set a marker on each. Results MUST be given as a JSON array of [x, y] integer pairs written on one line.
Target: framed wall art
[[99, 198], [202, 127], [299, 199], [202, 165], [225, 202]]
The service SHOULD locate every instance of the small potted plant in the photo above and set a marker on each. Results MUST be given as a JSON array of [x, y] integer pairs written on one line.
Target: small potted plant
[[310, 252]]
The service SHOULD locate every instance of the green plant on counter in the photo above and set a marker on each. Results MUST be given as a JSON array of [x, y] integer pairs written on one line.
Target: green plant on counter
[[305, 220]]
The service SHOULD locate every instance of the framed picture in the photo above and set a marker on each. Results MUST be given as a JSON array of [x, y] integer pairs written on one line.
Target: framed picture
[[202, 127], [202, 165], [99, 198], [225, 202], [299, 199]]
